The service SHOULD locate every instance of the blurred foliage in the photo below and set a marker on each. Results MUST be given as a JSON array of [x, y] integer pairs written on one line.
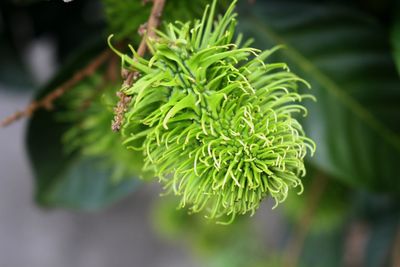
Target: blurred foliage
[[240, 244], [343, 54], [346, 49], [333, 205], [395, 36], [89, 106], [77, 175], [12, 70], [216, 245], [324, 249], [69, 25]]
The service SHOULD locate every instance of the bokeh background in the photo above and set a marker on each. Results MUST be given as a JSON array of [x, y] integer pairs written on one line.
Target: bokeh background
[[59, 209]]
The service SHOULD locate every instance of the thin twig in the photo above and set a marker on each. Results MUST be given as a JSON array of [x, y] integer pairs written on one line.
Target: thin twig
[[47, 102], [130, 77], [295, 246]]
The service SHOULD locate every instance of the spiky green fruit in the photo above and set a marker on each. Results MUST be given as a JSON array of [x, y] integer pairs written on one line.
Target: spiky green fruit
[[215, 123]]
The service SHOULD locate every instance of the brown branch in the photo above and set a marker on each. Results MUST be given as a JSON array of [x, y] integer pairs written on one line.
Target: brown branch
[[130, 77], [295, 245], [47, 101]]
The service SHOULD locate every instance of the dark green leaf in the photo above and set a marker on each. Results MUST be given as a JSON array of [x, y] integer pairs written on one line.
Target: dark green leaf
[[343, 54], [86, 185], [395, 39], [12, 72]]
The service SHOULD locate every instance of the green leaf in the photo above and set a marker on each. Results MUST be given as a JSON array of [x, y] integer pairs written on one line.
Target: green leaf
[[343, 54], [86, 185], [395, 39], [71, 180], [13, 74]]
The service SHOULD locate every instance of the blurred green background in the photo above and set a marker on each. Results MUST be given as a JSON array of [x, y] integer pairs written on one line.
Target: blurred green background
[[348, 215]]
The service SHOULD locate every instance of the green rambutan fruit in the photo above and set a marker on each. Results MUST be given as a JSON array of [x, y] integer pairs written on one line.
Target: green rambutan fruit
[[215, 123]]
